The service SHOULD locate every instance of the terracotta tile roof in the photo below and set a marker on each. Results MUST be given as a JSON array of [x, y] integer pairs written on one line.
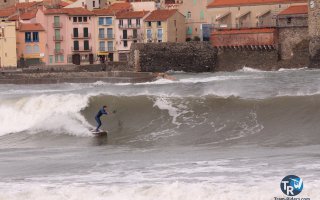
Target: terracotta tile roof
[[78, 11], [104, 12], [113, 9], [69, 11], [7, 12], [294, 10], [120, 6], [160, 15], [30, 27], [63, 4], [54, 11], [132, 14], [226, 3], [25, 5], [243, 31]]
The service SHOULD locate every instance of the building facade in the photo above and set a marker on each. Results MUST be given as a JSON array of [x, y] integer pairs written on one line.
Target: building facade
[[70, 36], [247, 13], [8, 54], [165, 26], [129, 29], [105, 28], [31, 44]]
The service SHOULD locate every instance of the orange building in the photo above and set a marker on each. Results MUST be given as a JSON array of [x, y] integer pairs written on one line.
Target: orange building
[[31, 43]]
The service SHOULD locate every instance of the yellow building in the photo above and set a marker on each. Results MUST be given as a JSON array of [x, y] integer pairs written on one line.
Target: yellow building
[[247, 13], [8, 54], [165, 26]]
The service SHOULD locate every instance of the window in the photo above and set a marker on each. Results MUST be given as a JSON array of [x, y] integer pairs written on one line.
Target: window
[[289, 19], [175, 23], [101, 46], [56, 58], [121, 22], [50, 59], [125, 43], [129, 22], [75, 32], [149, 34], [159, 34], [108, 20], [135, 33], [56, 21], [5, 1], [85, 32], [79, 19], [110, 46], [149, 24], [76, 45], [75, 19], [28, 37], [35, 36], [189, 15], [101, 19], [94, 4], [202, 15], [36, 49], [110, 33], [61, 58], [138, 22], [28, 49], [86, 45], [101, 33], [189, 31], [85, 19], [159, 23]]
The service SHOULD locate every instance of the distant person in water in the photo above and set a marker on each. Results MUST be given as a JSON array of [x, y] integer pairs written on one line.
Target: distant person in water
[[102, 111]]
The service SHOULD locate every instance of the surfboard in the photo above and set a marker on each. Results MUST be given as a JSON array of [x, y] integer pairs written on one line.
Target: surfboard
[[99, 133]]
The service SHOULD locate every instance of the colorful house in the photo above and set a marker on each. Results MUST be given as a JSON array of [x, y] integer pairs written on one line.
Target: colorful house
[[70, 36], [105, 30], [129, 29], [8, 54], [31, 45], [165, 26]]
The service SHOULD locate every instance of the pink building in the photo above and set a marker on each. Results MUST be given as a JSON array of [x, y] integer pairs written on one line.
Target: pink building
[[129, 29], [70, 36]]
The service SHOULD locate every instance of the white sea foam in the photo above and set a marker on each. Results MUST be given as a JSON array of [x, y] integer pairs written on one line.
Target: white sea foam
[[168, 191], [56, 112]]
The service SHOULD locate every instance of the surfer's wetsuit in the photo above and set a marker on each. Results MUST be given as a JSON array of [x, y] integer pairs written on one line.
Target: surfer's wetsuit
[[99, 114]]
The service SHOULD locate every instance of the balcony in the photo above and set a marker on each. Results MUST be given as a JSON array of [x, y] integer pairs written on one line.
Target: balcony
[[106, 36], [58, 51], [81, 49], [108, 49], [130, 37], [56, 25], [127, 26], [81, 36], [57, 38]]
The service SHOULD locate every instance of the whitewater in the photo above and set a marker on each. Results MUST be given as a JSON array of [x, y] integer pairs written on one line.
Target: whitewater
[[201, 136]]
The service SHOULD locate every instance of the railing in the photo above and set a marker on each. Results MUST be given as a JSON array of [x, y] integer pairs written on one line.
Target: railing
[[107, 36], [108, 49], [58, 51], [127, 26], [80, 49], [81, 36], [130, 37], [56, 25], [57, 38], [105, 24]]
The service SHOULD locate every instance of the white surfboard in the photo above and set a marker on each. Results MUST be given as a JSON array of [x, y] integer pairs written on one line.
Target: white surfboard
[[99, 133]]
